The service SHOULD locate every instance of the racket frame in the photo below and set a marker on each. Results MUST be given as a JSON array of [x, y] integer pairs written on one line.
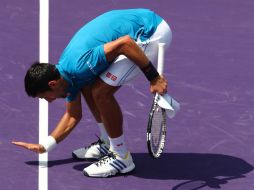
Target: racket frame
[[158, 152], [160, 68]]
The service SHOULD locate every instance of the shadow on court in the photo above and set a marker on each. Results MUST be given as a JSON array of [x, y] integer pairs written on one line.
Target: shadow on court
[[53, 163], [200, 170], [189, 166]]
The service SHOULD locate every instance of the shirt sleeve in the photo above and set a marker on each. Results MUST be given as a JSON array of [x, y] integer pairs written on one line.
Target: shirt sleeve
[[73, 95]]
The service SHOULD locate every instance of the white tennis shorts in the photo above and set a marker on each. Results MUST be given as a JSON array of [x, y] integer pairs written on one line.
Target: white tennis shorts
[[123, 70]]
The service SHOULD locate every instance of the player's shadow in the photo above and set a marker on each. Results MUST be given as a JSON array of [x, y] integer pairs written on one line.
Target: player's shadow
[[52, 163], [198, 170]]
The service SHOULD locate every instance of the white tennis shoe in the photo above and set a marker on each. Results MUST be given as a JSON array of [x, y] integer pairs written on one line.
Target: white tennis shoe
[[110, 165], [92, 152]]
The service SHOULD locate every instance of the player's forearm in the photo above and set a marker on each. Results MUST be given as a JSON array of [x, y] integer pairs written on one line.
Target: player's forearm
[[64, 127], [131, 50], [128, 47]]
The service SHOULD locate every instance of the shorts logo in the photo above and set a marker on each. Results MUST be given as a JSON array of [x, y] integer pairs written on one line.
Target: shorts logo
[[111, 76]]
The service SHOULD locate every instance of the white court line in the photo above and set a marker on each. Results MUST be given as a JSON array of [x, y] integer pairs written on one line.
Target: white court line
[[43, 105]]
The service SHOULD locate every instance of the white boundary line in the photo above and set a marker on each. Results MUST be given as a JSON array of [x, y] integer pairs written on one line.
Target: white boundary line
[[43, 105]]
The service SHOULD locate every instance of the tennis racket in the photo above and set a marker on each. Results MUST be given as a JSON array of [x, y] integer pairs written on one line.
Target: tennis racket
[[156, 129]]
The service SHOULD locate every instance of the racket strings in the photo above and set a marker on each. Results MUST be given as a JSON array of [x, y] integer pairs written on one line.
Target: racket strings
[[157, 128]]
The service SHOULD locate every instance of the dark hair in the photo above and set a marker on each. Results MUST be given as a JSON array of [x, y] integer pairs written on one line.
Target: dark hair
[[38, 76]]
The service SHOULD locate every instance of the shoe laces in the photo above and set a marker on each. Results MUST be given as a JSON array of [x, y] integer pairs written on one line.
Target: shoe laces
[[98, 142], [107, 158]]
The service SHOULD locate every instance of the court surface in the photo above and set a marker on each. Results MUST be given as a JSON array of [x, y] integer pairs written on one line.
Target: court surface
[[210, 71]]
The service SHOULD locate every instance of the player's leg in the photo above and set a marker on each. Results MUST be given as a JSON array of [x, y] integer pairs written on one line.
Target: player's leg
[[99, 148], [119, 159], [110, 112], [87, 93], [103, 94]]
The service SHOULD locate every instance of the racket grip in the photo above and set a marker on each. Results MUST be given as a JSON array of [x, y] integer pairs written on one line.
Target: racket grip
[[161, 54]]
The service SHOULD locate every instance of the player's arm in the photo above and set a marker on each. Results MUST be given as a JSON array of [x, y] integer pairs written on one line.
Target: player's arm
[[67, 123], [128, 47], [69, 120]]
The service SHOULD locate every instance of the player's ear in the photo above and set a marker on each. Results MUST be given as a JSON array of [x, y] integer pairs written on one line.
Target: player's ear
[[52, 84]]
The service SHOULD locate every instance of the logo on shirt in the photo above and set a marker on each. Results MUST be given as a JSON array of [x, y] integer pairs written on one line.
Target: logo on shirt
[[111, 76], [91, 68]]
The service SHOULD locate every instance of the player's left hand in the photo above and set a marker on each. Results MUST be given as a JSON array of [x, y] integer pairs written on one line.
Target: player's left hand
[[38, 148], [159, 85]]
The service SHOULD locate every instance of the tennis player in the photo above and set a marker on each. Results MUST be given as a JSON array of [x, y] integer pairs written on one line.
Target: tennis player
[[103, 55]]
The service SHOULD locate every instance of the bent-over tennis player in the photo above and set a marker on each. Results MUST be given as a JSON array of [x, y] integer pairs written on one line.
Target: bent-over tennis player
[[102, 56]]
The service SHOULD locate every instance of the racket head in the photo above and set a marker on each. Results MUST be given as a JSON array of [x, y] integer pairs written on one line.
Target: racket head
[[156, 130]]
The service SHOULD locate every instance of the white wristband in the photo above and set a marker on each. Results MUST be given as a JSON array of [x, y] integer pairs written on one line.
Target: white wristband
[[49, 143]]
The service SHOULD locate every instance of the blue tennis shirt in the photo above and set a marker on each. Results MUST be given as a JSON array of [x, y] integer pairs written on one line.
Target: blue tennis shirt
[[83, 60]]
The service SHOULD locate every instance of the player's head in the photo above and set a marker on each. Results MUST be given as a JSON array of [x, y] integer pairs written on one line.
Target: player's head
[[39, 79]]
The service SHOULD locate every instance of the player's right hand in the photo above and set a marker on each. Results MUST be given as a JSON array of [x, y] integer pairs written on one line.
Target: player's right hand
[[159, 85], [38, 148]]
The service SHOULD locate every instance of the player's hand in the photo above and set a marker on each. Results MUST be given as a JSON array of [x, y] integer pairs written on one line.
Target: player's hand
[[38, 148], [159, 85]]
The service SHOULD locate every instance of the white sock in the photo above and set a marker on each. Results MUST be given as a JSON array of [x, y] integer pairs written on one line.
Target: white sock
[[117, 145], [103, 133]]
